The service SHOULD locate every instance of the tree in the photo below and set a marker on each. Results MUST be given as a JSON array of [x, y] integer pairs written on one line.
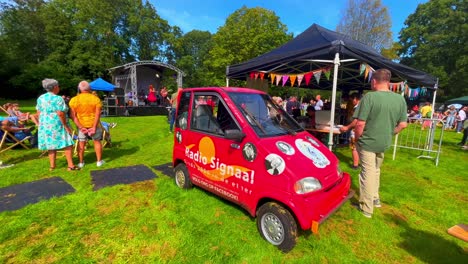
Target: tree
[[71, 40], [434, 40], [367, 21], [247, 33], [192, 50]]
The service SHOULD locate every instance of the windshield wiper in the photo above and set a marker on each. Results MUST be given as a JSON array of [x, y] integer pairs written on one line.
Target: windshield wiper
[[247, 112]]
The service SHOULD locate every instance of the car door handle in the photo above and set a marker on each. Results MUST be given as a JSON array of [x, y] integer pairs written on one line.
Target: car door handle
[[235, 146]]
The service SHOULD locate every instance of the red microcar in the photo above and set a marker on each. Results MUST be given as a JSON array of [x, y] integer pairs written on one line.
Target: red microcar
[[240, 145]]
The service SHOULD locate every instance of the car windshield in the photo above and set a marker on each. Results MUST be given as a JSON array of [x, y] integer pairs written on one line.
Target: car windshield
[[266, 118]]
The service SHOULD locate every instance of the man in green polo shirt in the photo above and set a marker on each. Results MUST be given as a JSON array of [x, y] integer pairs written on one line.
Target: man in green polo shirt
[[380, 114]]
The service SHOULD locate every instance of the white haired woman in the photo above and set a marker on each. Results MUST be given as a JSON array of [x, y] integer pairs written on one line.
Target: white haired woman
[[54, 132]]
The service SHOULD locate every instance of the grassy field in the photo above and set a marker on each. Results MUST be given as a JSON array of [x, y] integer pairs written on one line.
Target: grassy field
[[156, 222]]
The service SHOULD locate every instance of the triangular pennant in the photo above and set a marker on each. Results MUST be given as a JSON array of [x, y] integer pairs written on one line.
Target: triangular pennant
[[293, 79], [362, 68], [272, 77], [327, 73], [299, 79], [256, 75], [370, 75], [252, 75], [307, 77], [366, 72], [278, 78], [262, 75], [317, 75], [285, 79]]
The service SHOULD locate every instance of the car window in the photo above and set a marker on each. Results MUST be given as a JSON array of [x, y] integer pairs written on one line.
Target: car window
[[209, 114]]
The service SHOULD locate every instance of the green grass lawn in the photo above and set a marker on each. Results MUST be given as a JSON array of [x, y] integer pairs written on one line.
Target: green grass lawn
[[156, 222]]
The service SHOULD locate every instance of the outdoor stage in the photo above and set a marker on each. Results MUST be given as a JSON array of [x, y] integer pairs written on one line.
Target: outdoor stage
[[137, 111]]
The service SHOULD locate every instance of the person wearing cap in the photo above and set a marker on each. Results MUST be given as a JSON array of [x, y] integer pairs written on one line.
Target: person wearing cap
[[54, 132], [86, 113]]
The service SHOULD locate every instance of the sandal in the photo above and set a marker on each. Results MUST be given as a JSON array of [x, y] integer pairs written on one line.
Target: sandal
[[73, 168]]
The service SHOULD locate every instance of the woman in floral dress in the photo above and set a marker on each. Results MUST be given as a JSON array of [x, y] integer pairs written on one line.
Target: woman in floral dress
[[54, 132]]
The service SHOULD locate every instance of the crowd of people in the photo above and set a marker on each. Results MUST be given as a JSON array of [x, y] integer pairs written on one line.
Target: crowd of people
[[454, 119]]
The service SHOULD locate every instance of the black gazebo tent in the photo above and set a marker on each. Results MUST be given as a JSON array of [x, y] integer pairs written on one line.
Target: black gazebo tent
[[319, 47]]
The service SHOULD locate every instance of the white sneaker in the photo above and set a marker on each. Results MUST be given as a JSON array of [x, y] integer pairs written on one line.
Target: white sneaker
[[100, 163], [4, 166], [81, 165]]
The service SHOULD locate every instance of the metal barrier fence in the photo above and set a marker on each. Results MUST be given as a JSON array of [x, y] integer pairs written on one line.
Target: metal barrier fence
[[424, 135]]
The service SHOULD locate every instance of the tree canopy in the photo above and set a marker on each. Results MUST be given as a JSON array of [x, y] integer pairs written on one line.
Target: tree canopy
[[72, 40], [434, 40], [367, 21], [247, 33]]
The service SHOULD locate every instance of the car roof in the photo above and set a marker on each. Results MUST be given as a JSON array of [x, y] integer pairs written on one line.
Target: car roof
[[225, 89]]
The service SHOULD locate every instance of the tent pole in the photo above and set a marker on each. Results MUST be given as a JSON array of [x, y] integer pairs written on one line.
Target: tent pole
[[434, 97], [336, 61], [227, 79]]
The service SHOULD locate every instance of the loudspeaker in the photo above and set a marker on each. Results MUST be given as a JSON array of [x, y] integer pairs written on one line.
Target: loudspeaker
[[111, 101], [119, 91]]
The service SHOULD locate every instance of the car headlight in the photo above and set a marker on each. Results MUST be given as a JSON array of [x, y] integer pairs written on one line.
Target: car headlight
[[339, 171], [307, 185]]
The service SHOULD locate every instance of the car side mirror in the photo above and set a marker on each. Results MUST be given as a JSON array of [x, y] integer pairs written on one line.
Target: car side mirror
[[234, 134]]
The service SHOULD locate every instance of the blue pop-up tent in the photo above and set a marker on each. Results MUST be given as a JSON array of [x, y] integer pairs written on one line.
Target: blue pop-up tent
[[101, 85]]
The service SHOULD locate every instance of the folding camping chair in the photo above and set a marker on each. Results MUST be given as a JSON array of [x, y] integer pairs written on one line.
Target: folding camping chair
[[4, 110], [9, 138]]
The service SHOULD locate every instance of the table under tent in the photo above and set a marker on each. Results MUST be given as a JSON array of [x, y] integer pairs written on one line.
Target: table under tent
[[308, 60]]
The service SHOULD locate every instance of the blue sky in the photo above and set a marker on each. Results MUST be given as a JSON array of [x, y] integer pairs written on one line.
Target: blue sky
[[297, 15]]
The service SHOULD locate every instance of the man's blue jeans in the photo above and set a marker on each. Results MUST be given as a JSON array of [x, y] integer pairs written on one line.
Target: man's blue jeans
[[171, 124]]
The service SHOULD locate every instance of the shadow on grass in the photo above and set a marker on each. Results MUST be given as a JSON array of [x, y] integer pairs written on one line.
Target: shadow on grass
[[30, 156], [427, 247], [110, 154]]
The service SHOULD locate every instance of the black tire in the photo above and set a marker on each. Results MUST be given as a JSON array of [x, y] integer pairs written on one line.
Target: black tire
[[277, 226], [181, 177]]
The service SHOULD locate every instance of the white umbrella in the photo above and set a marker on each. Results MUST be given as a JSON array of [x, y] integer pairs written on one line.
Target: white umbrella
[[457, 106]]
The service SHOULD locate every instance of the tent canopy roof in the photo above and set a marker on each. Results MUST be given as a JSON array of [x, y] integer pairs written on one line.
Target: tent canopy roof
[[460, 100], [101, 85], [300, 55]]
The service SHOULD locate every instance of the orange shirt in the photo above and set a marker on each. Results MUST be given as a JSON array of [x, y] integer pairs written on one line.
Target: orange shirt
[[85, 105]]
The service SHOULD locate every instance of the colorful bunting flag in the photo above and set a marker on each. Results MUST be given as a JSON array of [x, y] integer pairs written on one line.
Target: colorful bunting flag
[[252, 75], [272, 77], [317, 75], [262, 74], [370, 75], [293, 79], [299, 79], [366, 72], [327, 73], [307, 77], [363, 68], [285, 79], [256, 75], [278, 78]]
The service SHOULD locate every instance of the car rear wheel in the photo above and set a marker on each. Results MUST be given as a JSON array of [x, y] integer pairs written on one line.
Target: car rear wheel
[[276, 225], [182, 178]]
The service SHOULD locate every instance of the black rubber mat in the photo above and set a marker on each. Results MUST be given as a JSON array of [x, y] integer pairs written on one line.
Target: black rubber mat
[[17, 196], [166, 169], [125, 175]]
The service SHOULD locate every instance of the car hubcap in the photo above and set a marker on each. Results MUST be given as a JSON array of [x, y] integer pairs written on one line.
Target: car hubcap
[[180, 178], [272, 229]]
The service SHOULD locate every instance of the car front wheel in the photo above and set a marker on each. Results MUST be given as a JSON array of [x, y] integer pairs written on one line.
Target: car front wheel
[[182, 178], [276, 224]]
